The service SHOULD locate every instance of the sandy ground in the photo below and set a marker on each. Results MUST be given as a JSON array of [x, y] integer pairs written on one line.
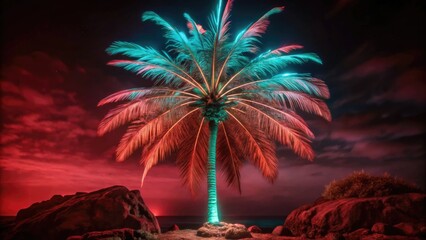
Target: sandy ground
[[191, 234]]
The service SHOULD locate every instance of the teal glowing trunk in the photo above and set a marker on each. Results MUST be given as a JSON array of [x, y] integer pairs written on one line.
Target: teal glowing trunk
[[212, 214]]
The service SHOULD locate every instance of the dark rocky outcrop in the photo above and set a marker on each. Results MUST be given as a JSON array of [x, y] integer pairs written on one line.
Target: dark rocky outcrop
[[174, 228], [119, 234], [385, 229], [277, 231], [254, 229], [63, 216], [226, 230], [381, 215]]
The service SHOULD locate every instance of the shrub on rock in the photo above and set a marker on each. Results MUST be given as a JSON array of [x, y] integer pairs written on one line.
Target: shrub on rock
[[363, 185]]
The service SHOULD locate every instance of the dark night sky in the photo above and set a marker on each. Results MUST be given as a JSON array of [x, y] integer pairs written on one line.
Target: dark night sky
[[54, 72]]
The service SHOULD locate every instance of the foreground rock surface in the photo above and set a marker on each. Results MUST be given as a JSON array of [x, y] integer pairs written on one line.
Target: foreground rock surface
[[345, 216], [227, 230], [63, 216], [188, 234], [254, 229]]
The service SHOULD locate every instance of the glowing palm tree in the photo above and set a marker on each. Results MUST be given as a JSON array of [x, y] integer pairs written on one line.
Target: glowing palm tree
[[214, 99]]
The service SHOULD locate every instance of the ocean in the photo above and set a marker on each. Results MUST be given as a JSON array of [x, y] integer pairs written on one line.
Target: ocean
[[267, 224]]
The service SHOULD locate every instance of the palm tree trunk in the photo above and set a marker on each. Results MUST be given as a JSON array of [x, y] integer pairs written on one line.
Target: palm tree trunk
[[212, 215]]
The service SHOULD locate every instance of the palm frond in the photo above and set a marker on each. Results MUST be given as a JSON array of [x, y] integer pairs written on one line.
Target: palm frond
[[225, 22], [245, 42], [228, 157], [292, 82], [167, 143], [264, 67], [192, 156], [302, 101], [143, 134], [198, 39], [297, 82], [162, 75], [288, 117], [282, 132], [139, 93], [177, 41], [260, 68], [138, 109], [286, 49], [257, 148]]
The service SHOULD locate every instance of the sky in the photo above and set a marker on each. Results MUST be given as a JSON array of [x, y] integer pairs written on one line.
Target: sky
[[54, 73]]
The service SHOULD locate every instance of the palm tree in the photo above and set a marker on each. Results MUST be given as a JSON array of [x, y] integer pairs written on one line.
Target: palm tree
[[214, 98]]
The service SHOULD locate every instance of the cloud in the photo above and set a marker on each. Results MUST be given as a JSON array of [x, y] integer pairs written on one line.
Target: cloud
[[409, 86], [47, 132]]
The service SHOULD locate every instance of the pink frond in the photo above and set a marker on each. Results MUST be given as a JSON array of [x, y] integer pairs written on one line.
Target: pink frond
[[304, 102], [225, 18], [121, 115], [286, 49], [118, 62], [260, 26], [192, 155], [290, 118], [199, 27], [148, 132], [128, 94], [323, 90], [228, 157], [167, 142], [280, 131], [256, 146]]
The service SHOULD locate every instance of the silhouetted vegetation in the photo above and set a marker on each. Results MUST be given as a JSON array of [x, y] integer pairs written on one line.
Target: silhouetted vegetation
[[361, 185]]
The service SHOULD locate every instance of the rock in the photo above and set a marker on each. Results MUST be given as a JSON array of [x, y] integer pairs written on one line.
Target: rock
[[60, 217], [34, 208], [408, 229], [422, 230], [115, 234], [384, 229], [348, 215], [377, 236], [357, 234], [334, 236], [75, 238], [277, 231], [237, 233], [174, 228], [254, 229], [227, 230], [125, 233], [286, 232]]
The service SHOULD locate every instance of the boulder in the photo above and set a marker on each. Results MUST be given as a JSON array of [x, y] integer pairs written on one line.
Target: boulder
[[237, 233], [357, 234], [408, 229], [277, 231], [222, 229], [333, 236], [115, 234], [286, 232], [254, 229], [385, 229], [63, 216], [378, 236], [347, 215], [174, 228]]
